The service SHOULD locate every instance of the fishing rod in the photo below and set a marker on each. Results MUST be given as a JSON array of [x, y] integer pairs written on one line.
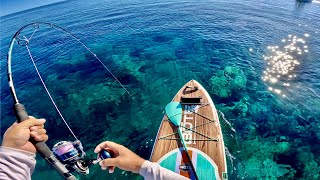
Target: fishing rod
[[66, 157]]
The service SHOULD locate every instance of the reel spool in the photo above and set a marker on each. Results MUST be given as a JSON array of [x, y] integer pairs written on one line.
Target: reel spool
[[71, 154]]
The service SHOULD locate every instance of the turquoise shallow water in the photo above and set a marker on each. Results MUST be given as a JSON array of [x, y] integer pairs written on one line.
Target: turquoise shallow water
[[270, 123]]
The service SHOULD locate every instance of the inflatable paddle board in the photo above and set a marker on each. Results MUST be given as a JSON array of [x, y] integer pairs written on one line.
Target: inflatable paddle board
[[201, 133]]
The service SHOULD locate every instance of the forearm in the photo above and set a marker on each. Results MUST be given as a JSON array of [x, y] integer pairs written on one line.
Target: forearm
[[16, 164], [153, 171]]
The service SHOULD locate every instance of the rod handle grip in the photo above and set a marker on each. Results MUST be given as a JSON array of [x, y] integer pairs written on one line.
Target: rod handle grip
[[42, 148], [22, 115], [20, 112]]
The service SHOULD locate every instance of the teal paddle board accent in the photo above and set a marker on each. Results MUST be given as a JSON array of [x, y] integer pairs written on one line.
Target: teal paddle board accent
[[174, 112], [170, 162], [205, 166], [205, 170]]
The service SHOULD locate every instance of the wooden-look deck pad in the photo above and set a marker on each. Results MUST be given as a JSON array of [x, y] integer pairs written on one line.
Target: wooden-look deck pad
[[201, 131]]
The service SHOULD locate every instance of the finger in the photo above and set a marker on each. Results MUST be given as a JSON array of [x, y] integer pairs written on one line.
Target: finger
[[111, 169], [41, 131], [45, 138], [38, 138], [107, 144], [12, 125], [33, 134], [41, 138], [109, 162], [34, 128], [104, 167], [100, 147], [38, 133], [32, 122], [31, 117]]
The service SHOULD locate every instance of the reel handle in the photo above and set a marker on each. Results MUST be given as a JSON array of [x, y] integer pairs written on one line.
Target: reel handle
[[41, 147], [105, 154]]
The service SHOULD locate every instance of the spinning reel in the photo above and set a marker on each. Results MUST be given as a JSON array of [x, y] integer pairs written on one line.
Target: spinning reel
[[71, 154]]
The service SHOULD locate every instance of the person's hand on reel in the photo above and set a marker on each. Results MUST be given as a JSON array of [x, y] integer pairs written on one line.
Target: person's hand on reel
[[123, 158]]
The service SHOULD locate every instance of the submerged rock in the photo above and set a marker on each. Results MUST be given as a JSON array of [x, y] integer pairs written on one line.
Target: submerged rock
[[267, 169], [219, 86], [226, 82], [263, 148], [311, 170]]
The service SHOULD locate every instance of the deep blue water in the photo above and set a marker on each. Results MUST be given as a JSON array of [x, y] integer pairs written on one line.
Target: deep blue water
[[269, 112]]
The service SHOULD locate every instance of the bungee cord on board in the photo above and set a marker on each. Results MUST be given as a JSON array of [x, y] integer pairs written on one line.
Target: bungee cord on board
[[74, 159]]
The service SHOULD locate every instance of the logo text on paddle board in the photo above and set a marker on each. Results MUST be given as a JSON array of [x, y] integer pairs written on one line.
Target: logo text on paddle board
[[185, 167], [188, 119]]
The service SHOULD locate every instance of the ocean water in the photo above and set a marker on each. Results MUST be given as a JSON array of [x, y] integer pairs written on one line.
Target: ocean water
[[259, 61]]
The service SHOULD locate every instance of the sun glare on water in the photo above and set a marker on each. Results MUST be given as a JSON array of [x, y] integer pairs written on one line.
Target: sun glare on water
[[316, 1], [281, 62]]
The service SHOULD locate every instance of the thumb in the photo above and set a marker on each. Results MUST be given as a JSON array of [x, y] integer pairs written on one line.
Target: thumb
[[109, 162], [32, 122], [107, 144], [15, 123]]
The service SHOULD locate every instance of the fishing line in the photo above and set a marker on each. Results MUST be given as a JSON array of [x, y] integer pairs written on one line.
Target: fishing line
[[66, 157], [97, 58], [37, 26], [24, 41], [45, 87]]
